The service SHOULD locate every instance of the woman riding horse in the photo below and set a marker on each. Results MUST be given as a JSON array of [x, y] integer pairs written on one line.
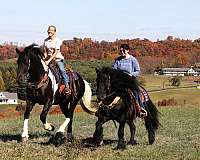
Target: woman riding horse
[[110, 84], [47, 93]]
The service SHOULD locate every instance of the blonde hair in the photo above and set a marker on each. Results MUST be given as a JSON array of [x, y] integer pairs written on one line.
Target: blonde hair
[[52, 27]]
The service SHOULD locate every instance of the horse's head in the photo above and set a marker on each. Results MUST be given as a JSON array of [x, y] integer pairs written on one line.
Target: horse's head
[[103, 82], [111, 81], [24, 61]]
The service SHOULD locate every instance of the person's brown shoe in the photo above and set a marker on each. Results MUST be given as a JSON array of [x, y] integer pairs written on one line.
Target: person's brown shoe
[[61, 88], [67, 90], [143, 113]]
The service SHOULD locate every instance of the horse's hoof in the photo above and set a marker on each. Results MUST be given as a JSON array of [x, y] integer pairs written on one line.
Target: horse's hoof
[[69, 137], [59, 139], [134, 142], [49, 127], [151, 141], [120, 146], [100, 143], [24, 139], [52, 128]]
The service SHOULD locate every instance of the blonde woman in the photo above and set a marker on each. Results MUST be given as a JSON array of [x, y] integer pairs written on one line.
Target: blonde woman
[[52, 51]]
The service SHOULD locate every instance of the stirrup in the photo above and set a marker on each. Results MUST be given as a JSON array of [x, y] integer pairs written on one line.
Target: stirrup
[[143, 113], [67, 90], [61, 88]]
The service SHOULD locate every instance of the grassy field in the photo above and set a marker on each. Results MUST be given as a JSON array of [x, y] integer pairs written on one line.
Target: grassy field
[[177, 139], [183, 96]]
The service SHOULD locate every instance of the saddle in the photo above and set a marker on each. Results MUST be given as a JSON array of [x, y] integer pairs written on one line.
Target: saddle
[[143, 94], [59, 78], [112, 102]]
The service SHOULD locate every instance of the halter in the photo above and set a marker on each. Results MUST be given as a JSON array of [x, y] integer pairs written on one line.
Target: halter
[[35, 85], [108, 89]]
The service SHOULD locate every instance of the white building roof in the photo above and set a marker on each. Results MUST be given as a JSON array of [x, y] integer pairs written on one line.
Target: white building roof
[[8, 95]]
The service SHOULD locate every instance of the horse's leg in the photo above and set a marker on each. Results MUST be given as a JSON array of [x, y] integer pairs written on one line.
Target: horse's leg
[[121, 143], [98, 134], [43, 116], [59, 137], [69, 127], [132, 130], [29, 107]]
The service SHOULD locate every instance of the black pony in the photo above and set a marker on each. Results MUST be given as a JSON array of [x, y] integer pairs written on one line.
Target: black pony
[[31, 72], [113, 83]]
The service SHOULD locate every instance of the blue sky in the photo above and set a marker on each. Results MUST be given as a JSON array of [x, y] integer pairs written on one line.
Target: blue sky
[[26, 21]]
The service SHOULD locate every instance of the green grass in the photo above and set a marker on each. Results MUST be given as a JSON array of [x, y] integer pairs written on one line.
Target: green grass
[[178, 139], [159, 82], [185, 96]]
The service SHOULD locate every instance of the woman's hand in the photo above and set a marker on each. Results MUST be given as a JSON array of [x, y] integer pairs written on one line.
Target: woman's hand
[[47, 62]]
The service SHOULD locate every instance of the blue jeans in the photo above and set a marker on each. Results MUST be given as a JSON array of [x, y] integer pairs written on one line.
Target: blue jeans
[[63, 72], [138, 99]]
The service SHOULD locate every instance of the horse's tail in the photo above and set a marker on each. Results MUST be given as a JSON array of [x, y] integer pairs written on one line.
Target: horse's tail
[[152, 120], [87, 99]]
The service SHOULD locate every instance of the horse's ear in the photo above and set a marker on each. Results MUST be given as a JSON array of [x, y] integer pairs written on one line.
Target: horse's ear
[[97, 70], [19, 51]]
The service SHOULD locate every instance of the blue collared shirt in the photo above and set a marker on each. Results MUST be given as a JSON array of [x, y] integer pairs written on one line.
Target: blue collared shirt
[[129, 65]]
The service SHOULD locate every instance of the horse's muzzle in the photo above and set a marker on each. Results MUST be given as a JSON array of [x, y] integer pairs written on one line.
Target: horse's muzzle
[[101, 97], [20, 79]]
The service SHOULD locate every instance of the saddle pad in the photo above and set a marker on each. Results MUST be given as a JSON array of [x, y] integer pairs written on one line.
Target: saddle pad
[[144, 95], [54, 84], [74, 75]]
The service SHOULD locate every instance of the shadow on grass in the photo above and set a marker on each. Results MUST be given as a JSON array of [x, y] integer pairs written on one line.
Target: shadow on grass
[[90, 142], [17, 137], [87, 143]]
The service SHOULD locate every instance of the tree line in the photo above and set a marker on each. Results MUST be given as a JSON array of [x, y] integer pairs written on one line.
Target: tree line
[[8, 77], [171, 52]]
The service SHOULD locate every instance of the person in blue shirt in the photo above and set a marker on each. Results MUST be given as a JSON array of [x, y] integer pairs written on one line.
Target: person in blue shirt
[[129, 65]]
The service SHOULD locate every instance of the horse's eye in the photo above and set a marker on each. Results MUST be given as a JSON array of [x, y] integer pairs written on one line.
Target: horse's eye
[[26, 62]]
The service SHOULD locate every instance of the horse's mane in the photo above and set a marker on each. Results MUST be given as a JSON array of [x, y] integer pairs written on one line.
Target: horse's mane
[[35, 53], [34, 49], [120, 79]]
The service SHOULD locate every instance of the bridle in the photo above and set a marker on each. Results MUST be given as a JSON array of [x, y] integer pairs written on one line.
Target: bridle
[[108, 89], [32, 85]]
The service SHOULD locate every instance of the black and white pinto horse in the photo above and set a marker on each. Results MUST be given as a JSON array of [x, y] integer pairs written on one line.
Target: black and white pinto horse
[[31, 69], [112, 84]]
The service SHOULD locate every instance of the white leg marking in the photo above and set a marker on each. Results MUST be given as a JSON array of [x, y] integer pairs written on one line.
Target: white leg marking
[[25, 129], [47, 126], [64, 125]]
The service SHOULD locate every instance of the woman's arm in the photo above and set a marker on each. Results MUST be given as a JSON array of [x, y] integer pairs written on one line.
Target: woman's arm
[[136, 67], [45, 53], [52, 57], [115, 64]]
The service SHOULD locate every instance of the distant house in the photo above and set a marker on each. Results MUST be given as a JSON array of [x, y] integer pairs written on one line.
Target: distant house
[[178, 71], [8, 98]]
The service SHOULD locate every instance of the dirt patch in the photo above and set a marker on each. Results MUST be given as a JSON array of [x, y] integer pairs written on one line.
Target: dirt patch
[[56, 110], [9, 113]]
